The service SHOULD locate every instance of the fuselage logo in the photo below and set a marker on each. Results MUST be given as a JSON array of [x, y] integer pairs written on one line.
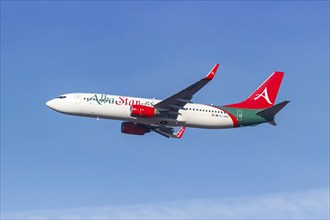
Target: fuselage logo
[[118, 100], [264, 94]]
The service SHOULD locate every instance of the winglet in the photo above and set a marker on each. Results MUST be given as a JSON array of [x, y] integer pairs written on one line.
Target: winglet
[[180, 132], [211, 74]]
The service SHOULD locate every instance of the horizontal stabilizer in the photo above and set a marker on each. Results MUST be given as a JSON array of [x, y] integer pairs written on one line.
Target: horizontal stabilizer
[[272, 111], [272, 123]]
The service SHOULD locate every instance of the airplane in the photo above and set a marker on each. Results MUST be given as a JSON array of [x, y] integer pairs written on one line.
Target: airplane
[[143, 115]]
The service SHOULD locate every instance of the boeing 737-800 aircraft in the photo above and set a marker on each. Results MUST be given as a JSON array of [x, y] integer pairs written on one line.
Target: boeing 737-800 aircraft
[[142, 115]]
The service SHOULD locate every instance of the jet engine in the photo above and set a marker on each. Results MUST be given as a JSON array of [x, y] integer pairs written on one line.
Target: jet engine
[[143, 111], [132, 128]]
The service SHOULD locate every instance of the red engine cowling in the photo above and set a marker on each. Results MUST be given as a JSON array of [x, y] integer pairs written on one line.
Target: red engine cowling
[[143, 111], [132, 128]]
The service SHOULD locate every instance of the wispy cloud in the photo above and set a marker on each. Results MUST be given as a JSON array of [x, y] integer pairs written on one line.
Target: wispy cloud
[[313, 204]]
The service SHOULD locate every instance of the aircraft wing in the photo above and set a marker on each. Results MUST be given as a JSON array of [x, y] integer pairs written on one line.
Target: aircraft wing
[[168, 131], [173, 104]]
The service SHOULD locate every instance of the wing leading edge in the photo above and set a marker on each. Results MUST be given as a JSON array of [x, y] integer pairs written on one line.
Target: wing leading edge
[[173, 104]]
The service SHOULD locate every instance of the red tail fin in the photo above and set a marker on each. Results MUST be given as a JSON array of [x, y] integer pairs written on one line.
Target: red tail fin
[[264, 96]]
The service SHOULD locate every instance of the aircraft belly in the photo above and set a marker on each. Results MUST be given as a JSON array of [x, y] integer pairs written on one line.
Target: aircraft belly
[[159, 121]]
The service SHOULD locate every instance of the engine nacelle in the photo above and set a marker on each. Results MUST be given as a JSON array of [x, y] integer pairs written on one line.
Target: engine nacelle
[[143, 111], [132, 128]]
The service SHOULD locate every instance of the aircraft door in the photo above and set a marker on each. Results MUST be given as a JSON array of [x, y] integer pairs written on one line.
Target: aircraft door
[[239, 114]]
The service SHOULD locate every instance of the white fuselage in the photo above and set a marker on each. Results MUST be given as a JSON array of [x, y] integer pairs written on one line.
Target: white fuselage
[[118, 108]]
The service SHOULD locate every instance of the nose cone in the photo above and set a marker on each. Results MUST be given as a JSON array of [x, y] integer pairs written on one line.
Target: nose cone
[[51, 104]]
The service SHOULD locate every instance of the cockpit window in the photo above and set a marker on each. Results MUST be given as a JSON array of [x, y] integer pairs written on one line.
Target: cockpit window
[[62, 97]]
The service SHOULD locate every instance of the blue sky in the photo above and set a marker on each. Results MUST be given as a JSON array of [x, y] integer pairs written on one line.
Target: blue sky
[[62, 164]]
